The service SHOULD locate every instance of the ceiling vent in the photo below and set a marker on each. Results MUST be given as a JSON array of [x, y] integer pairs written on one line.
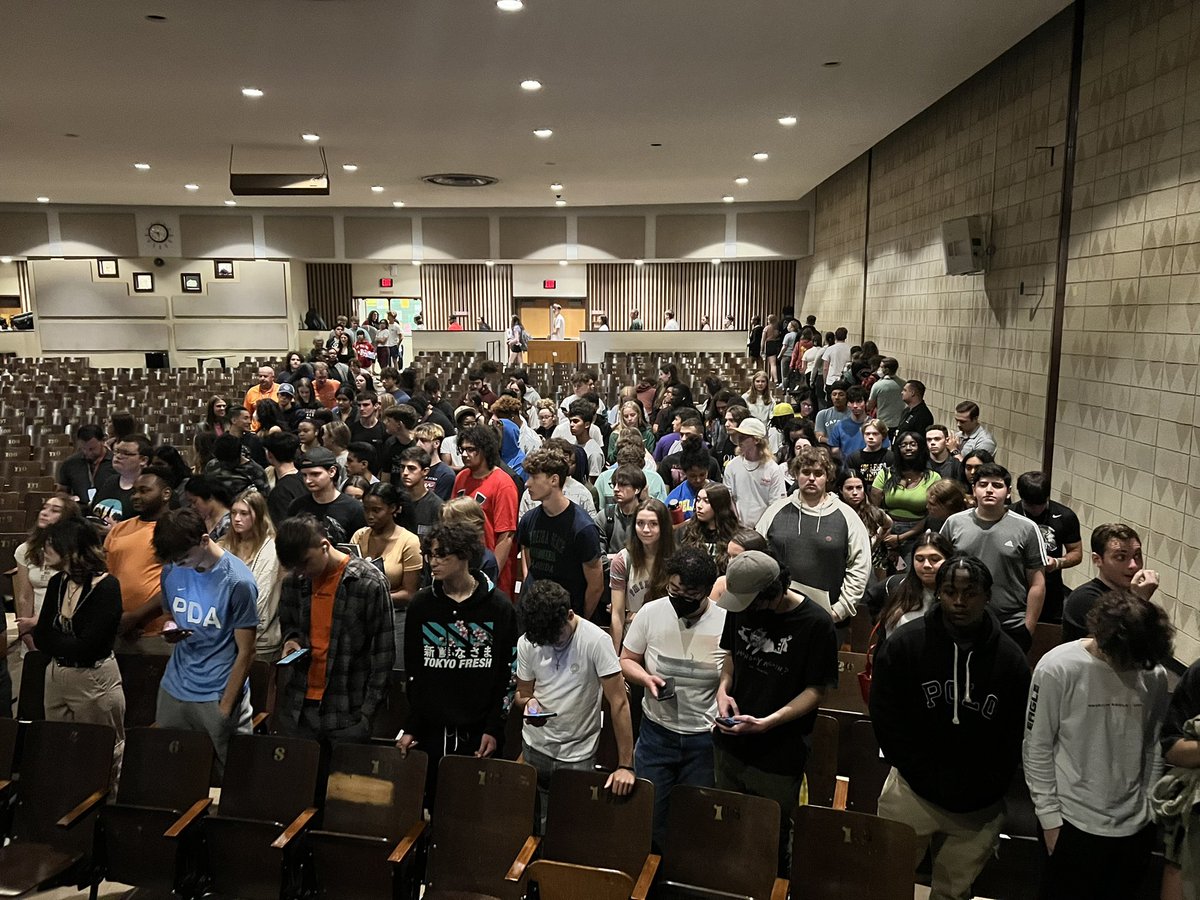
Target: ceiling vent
[[459, 180]]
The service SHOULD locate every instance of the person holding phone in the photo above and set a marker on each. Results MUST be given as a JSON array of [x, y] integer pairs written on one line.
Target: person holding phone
[[673, 650], [564, 664], [459, 651], [211, 598]]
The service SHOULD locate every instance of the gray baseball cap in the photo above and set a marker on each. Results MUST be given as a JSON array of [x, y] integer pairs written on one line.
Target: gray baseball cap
[[748, 575]]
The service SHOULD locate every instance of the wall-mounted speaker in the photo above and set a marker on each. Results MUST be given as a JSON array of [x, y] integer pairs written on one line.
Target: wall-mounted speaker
[[963, 246]]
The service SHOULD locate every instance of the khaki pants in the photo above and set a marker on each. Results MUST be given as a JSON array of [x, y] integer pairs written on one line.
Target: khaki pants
[[962, 842], [92, 695]]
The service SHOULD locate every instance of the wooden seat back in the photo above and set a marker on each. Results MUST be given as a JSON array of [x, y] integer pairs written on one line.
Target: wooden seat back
[[141, 674], [166, 768], [588, 825], [847, 696], [822, 768], [63, 763], [1046, 636], [838, 854], [374, 790], [484, 816], [8, 747], [269, 778], [565, 881], [31, 704], [721, 841]]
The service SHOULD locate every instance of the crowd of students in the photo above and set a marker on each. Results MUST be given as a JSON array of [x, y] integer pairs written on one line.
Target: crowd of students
[[694, 560]]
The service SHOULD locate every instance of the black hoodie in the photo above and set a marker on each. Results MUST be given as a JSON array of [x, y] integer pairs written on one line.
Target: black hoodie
[[960, 755], [460, 659]]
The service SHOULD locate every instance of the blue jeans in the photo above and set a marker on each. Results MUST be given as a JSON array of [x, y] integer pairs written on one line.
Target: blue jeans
[[667, 758]]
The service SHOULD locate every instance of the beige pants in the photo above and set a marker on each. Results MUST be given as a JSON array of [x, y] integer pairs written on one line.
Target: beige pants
[[962, 842], [89, 695]]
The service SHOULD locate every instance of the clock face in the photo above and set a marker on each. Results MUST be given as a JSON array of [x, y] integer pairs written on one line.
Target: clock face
[[158, 233]]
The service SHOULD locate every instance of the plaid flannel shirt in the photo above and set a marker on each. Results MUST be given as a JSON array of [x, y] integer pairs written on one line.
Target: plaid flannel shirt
[[362, 648]]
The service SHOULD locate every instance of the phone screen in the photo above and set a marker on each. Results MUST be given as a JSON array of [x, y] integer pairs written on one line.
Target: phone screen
[[292, 657]]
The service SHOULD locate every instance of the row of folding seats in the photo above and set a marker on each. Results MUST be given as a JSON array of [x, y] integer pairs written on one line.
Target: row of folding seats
[[275, 834]]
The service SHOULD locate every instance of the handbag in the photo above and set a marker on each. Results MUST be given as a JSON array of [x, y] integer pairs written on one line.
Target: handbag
[[864, 677]]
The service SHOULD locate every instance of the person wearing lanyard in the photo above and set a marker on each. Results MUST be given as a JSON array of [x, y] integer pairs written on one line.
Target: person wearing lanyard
[[86, 470]]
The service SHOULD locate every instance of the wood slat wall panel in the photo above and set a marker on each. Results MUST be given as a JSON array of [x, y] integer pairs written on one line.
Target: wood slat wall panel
[[480, 290], [330, 290], [691, 290]]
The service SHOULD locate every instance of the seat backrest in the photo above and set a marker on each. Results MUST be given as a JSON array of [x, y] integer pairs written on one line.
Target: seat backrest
[[722, 841], [269, 778], [375, 790], [31, 704], [564, 881], [1046, 636], [837, 854], [589, 826], [822, 767], [8, 747], [165, 768], [62, 764], [847, 695], [865, 769], [484, 815], [141, 674]]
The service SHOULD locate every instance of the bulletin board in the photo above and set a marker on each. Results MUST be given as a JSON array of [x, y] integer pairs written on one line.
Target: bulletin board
[[405, 308]]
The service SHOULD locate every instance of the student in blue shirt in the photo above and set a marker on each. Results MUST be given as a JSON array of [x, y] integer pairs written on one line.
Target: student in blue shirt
[[210, 596], [695, 463], [846, 437]]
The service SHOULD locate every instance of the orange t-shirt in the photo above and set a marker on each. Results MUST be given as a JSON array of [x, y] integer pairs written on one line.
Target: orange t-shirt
[[132, 562], [320, 628], [255, 394], [326, 393]]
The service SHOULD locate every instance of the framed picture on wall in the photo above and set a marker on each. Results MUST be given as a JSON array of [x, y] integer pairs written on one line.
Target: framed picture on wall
[[107, 268], [191, 282], [143, 282], [222, 268]]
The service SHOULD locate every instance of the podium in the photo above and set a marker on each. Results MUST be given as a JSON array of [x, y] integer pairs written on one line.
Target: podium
[[548, 351]]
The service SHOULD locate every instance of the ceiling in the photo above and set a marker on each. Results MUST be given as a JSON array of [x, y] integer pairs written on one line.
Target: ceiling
[[412, 87]]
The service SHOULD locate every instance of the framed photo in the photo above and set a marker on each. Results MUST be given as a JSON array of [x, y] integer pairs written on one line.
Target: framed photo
[[222, 268], [107, 268], [143, 282], [191, 282]]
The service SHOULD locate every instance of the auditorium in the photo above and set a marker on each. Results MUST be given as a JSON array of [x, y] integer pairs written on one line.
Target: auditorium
[[536, 448]]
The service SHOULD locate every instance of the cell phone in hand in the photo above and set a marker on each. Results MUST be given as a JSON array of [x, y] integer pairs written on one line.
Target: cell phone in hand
[[540, 714], [727, 721], [667, 690], [175, 635], [293, 656]]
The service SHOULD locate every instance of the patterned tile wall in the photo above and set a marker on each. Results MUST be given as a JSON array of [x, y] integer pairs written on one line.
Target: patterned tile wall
[[1124, 448]]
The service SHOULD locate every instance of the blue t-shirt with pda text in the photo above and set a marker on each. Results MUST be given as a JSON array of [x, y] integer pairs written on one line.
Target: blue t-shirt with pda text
[[213, 605]]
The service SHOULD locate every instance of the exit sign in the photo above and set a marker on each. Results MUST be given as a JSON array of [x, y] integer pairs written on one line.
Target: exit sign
[[385, 282], [549, 284]]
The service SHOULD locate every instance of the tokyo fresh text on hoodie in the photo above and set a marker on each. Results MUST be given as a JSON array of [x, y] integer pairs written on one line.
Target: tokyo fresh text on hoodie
[[950, 717], [826, 549]]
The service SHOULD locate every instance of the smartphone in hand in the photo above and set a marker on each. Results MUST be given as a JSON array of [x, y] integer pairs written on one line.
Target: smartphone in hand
[[727, 721], [292, 657], [666, 691]]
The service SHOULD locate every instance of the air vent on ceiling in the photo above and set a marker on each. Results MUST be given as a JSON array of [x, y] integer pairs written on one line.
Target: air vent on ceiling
[[458, 179]]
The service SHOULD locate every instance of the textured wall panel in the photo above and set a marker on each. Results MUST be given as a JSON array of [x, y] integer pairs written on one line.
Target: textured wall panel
[[614, 237], [378, 237], [224, 336], [66, 289], [303, 237], [258, 292], [217, 237], [774, 233], [681, 237], [98, 234], [23, 234], [455, 237], [533, 238], [86, 335]]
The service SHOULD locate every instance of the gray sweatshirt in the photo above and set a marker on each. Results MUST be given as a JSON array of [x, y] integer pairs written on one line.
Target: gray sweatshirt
[[1091, 742]]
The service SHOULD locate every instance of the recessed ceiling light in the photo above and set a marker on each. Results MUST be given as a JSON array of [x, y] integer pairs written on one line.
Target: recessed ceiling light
[[251, 92], [560, 202], [556, 186], [728, 198], [542, 132], [311, 137], [715, 261], [231, 203], [142, 167], [5, 260], [510, 5], [192, 186], [397, 203], [639, 262], [742, 180], [562, 262], [489, 262], [787, 120], [417, 263], [43, 199], [531, 84], [832, 64], [760, 156], [349, 167], [377, 188]]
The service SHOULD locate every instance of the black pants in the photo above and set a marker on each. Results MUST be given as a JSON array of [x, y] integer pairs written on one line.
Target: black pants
[[1021, 635], [1089, 867]]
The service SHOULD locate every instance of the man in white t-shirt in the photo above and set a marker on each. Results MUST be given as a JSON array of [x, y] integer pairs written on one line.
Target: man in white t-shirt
[[837, 356], [564, 664], [753, 477], [673, 650], [558, 325], [394, 342]]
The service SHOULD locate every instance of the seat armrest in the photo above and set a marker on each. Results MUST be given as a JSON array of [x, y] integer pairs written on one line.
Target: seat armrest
[[780, 890], [5, 784], [298, 825], [90, 804], [408, 842], [258, 721], [184, 822], [646, 878], [841, 791], [517, 869]]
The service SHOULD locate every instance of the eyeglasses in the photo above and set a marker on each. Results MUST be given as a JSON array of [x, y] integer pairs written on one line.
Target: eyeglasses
[[467, 451], [438, 553]]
